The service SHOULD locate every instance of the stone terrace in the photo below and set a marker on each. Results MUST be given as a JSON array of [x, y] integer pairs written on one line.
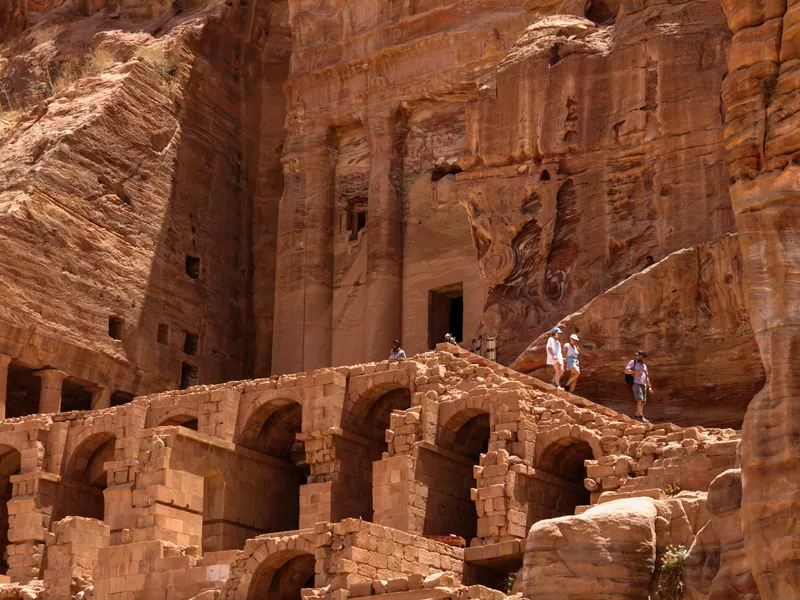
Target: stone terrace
[[331, 480]]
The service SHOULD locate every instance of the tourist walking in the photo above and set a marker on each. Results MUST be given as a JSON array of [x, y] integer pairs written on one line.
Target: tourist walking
[[573, 369], [397, 353], [638, 377], [554, 356]]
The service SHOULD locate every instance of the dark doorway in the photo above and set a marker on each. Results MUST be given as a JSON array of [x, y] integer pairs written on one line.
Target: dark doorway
[[119, 397], [188, 375], [445, 313], [23, 392], [75, 397]]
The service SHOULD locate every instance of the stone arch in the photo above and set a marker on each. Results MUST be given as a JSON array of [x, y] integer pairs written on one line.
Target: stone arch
[[271, 429], [365, 391], [183, 419], [287, 566], [369, 404], [464, 436], [474, 414], [256, 413], [10, 464], [559, 485], [85, 476]]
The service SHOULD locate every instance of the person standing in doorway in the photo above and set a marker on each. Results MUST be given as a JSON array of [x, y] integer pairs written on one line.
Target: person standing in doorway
[[397, 352], [554, 356], [571, 352], [641, 383]]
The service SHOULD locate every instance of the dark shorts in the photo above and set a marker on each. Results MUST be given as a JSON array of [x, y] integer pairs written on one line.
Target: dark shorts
[[639, 392]]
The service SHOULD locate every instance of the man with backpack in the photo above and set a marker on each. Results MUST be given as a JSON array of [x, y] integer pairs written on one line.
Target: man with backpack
[[637, 376]]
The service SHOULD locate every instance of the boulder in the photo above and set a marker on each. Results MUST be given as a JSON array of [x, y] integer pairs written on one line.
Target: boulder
[[608, 552]]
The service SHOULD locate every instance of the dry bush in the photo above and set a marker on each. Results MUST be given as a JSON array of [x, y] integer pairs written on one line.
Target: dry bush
[[8, 118], [164, 63], [75, 69], [70, 71], [100, 61]]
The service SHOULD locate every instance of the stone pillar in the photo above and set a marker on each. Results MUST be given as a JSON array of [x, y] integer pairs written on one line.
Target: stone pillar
[[101, 397], [50, 396], [73, 550], [304, 287], [341, 487], [383, 316], [4, 362]]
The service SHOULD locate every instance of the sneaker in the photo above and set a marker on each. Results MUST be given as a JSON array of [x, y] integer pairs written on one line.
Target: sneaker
[[637, 418], [643, 420]]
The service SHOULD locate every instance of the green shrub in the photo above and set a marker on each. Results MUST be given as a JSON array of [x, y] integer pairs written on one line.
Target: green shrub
[[670, 578]]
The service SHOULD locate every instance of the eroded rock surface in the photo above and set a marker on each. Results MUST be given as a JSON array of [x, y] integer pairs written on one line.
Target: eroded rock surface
[[689, 313], [761, 142], [607, 552], [716, 566], [593, 146]]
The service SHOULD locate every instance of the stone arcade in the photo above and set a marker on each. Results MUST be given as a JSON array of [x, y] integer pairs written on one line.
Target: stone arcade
[[341, 480]]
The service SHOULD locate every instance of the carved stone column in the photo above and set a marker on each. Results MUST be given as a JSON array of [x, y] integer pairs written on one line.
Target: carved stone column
[[4, 362], [304, 282], [385, 239], [50, 396]]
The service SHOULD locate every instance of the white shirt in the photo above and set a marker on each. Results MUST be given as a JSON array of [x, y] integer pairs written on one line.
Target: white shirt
[[572, 349], [554, 354]]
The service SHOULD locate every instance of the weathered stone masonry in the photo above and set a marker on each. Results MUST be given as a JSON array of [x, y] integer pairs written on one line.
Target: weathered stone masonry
[[440, 447]]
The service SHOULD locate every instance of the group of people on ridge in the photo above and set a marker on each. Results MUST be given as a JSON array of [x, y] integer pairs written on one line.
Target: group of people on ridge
[[566, 360]]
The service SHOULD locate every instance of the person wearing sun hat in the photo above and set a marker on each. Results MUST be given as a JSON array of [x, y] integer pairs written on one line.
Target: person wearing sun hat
[[571, 352], [554, 356]]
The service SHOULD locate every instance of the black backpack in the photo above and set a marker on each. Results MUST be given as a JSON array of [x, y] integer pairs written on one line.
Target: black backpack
[[629, 378]]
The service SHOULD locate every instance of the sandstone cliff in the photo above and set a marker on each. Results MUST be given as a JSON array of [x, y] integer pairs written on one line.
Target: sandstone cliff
[[688, 312], [595, 144]]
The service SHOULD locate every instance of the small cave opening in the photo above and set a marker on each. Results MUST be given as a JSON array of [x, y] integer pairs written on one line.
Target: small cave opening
[[74, 396], [120, 397], [191, 343], [441, 171], [602, 12], [115, 327], [193, 266], [163, 334], [189, 375]]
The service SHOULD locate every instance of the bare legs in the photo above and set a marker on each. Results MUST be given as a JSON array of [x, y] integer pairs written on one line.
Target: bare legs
[[574, 373], [559, 368]]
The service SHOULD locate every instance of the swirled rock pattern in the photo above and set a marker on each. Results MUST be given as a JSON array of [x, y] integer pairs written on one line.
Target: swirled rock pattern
[[595, 144]]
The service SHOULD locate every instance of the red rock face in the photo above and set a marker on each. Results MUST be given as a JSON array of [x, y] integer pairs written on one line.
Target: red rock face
[[593, 147], [689, 312], [761, 143]]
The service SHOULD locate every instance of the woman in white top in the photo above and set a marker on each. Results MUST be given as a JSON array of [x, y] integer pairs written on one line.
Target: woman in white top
[[554, 356], [571, 351]]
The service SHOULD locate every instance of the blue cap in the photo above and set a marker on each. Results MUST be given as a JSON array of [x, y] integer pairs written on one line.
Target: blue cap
[[556, 330]]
